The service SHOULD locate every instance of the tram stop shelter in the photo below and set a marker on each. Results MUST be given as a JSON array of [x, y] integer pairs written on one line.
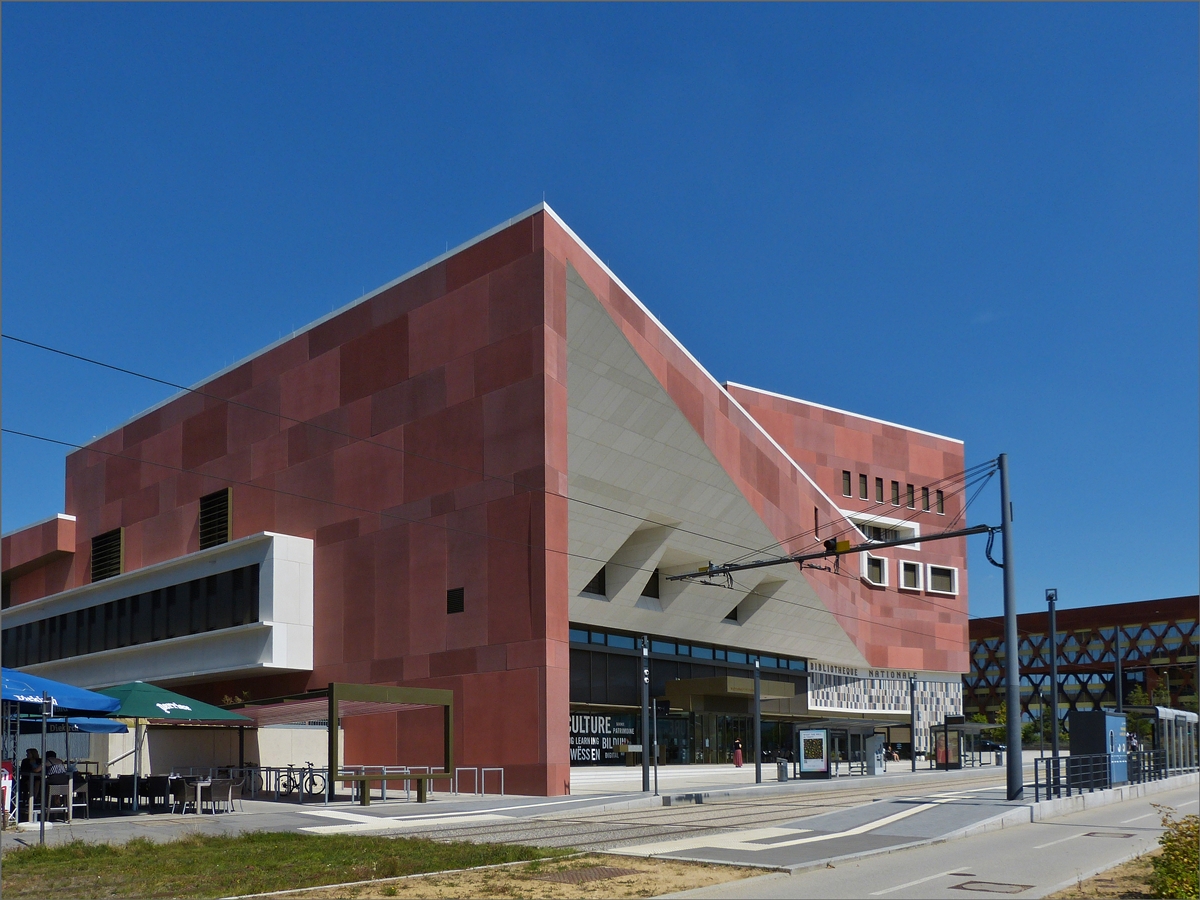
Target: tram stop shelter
[[851, 741], [343, 701], [955, 743], [1174, 731]]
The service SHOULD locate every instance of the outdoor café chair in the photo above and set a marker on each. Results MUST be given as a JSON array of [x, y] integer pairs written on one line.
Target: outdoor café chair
[[219, 793], [80, 788], [58, 787], [156, 789], [122, 790], [187, 792]]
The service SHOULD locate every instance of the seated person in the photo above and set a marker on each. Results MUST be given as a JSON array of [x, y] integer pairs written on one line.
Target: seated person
[[30, 775], [32, 763], [54, 765]]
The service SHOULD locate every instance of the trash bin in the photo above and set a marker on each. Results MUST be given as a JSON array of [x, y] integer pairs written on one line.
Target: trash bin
[[781, 766], [1000, 756]]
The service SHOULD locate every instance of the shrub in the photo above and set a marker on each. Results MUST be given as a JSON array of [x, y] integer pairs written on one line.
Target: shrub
[[1176, 871]]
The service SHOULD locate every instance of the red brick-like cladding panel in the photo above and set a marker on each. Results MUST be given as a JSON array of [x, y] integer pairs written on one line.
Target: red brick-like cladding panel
[[890, 629], [827, 442], [419, 439], [37, 559]]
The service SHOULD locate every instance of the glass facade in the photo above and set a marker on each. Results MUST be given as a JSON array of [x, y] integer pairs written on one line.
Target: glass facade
[[606, 698], [193, 607]]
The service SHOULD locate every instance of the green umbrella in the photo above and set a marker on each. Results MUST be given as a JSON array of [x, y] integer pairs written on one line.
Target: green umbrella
[[145, 701]]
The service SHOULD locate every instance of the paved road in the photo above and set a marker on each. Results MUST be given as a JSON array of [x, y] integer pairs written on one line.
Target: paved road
[[1028, 860], [584, 823], [592, 821], [889, 822]]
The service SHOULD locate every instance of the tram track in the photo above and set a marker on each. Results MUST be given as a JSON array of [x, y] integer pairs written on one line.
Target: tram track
[[612, 828]]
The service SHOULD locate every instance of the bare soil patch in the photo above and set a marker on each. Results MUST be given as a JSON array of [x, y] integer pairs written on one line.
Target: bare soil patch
[[563, 879], [1129, 881]]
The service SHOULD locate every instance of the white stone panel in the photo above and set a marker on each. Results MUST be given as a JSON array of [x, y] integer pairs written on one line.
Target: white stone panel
[[630, 449]]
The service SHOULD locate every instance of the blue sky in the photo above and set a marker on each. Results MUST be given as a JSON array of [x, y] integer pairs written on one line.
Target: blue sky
[[979, 220]]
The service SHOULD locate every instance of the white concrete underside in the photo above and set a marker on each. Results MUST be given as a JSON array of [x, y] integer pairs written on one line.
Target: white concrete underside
[[281, 639], [630, 449]]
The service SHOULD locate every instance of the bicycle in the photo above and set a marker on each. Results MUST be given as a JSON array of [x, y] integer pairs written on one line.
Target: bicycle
[[310, 781]]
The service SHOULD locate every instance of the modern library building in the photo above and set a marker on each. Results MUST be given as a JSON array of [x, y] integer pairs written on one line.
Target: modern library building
[[481, 477]]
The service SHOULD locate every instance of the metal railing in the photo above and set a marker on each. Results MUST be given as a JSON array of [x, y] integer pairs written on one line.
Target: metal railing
[[483, 779], [266, 782], [1148, 765], [454, 784], [1064, 776], [282, 782]]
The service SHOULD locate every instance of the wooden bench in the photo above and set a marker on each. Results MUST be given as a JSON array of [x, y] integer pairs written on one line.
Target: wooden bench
[[366, 780]]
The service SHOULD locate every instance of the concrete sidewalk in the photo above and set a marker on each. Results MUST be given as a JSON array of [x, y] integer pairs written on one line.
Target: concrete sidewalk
[[684, 779], [1033, 861]]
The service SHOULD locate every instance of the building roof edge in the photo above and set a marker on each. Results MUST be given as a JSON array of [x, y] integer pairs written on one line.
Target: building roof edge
[[845, 412], [532, 211]]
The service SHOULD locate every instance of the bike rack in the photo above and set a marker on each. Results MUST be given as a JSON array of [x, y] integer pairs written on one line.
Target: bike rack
[[475, 774], [483, 779]]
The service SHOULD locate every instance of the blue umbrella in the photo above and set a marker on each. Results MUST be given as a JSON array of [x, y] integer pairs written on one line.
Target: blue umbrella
[[23, 688], [77, 726]]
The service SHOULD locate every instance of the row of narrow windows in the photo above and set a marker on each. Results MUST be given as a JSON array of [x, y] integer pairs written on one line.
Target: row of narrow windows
[[580, 634], [936, 501], [193, 607], [913, 576]]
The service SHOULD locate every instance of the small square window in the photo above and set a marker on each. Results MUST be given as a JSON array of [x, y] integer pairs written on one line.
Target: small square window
[[925, 499], [577, 636], [943, 580], [910, 576], [912, 497], [845, 484], [941, 503], [895, 493], [875, 570], [878, 490], [454, 601], [862, 487]]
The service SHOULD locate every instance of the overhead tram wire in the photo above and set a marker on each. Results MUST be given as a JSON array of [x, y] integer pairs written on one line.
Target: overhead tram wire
[[404, 451], [753, 592], [909, 519], [440, 526], [384, 514], [189, 390], [350, 436], [885, 517]]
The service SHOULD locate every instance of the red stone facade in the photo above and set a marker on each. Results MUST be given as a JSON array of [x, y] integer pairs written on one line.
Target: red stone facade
[[419, 438]]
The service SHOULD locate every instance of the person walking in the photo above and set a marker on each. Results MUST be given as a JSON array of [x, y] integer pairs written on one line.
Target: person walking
[[737, 753]]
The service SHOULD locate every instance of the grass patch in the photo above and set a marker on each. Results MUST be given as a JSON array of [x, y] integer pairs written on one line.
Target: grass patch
[[220, 865]]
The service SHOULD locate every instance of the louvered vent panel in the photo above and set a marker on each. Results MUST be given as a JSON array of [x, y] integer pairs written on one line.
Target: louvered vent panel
[[214, 519], [107, 554], [454, 600]]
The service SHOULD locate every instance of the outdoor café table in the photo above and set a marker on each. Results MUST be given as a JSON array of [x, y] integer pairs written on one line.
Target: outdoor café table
[[187, 789]]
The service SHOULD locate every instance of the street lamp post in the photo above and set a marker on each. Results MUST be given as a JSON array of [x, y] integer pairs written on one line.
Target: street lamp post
[[1052, 600]]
